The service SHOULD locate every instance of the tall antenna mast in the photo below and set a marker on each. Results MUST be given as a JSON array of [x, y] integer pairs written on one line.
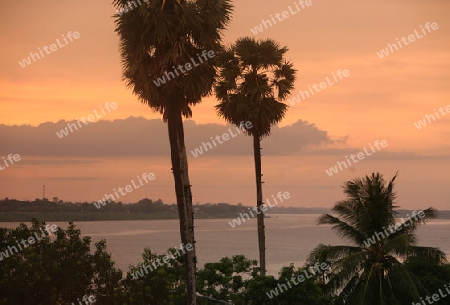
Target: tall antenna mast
[[43, 191]]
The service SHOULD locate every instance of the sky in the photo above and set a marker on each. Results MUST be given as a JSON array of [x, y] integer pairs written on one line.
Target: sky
[[382, 97]]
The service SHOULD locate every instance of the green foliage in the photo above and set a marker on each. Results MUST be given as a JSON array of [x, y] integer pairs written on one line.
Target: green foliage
[[231, 280], [236, 280], [55, 269], [227, 279], [164, 284], [307, 292], [106, 279], [432, 274], [256, 291]]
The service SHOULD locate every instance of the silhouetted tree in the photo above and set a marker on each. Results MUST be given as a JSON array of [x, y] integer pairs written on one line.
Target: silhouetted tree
[[372, 271], [154, 38], [254, 78]]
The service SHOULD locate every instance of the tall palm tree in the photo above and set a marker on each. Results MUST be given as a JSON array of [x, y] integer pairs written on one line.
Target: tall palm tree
[[372, 271], [155, 39], [254, 78]]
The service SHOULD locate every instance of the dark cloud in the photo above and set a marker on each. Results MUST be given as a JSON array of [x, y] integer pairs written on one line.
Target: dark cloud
[[141, 137]]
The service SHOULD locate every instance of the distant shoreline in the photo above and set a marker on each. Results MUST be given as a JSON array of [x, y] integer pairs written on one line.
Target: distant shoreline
[[109, 216], [12, 210], [64, 217]]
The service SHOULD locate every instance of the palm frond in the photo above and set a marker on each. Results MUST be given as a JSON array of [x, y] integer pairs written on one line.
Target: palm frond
[[374, 273], [343, 229]]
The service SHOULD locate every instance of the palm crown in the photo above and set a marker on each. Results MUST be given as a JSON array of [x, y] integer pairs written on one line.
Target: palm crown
[[170, 33], [253, 79], [372, 272]]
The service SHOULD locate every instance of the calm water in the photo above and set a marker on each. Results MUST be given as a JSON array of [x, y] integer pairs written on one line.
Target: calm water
[[289, 238]]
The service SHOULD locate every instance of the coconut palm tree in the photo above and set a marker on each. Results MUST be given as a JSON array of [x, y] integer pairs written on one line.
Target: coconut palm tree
[[372, 271], [254, 77], [163, 46]]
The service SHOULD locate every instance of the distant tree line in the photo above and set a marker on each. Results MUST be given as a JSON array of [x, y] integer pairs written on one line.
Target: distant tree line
[[58, 210]]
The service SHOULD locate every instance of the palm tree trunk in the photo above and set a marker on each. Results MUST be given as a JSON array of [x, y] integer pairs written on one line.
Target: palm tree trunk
[[259, 202], [184, 197]]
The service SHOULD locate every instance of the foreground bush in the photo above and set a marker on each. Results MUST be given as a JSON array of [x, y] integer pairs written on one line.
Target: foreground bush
[[59, 269], [55, 269]]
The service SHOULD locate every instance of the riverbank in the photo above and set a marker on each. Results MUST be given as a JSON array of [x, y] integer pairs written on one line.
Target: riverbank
[[83, 216]]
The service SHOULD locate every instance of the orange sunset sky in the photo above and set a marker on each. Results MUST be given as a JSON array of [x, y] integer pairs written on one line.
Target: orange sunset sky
[[381, 99]]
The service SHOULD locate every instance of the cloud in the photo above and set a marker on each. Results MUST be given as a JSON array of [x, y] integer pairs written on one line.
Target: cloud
[[137, 136], [140, 137], [293, 139]]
